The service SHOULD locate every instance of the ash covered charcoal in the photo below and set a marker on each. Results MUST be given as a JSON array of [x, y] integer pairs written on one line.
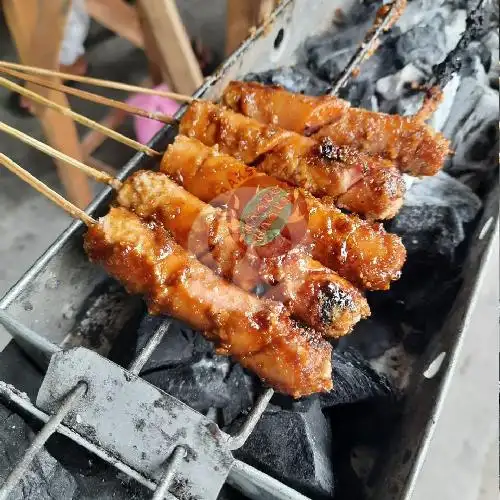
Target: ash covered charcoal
[[293, 447], [46, 478], [433, 222], [473, 128], [185, 366], [295, 79], [327, 54], [435, 215], [428, 42]]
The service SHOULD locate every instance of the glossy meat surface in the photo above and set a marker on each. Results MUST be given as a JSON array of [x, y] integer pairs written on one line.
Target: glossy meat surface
[[361, 252], [413, 146], [313, 293], [321, 167], [274, 105], [258, 333]]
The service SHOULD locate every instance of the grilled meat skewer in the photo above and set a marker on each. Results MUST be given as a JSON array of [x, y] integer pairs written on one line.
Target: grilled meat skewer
[[413, 146], [258, 333], [360, 252], [314, 294], [355, 181]]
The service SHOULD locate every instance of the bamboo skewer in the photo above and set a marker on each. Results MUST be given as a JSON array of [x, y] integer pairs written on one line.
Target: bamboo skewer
[[49, 193], [89, 96], [54, 153], [78, 117], [96, 81]]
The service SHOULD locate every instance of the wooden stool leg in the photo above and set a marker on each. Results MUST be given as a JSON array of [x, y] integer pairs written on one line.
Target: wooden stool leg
[[37, 28], [241, 16], [161, 19]]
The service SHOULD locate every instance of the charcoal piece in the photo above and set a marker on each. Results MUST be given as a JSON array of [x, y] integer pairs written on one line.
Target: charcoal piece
[[240, 387], [185, 366], [200, 384], [329, 53], [361, 94], [373, 336], [473, 127], [295, 448], [46, 478], [102, 317], [354, 381], [396, 84], [179, 345], [423, 45], [229, 493], [295, 79], [208, 382], [109, 485], [434, 215]]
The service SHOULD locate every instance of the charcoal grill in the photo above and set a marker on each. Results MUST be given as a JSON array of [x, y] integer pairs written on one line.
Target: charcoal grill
[[40, 319]]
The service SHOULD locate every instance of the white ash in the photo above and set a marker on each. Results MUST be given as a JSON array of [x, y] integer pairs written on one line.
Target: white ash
[[396, 364]]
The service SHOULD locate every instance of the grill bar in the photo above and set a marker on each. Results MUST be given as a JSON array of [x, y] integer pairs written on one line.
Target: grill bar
[[14, 396], [239, 439], [42, 437], [366, 46], [162, 489], [138, 364]]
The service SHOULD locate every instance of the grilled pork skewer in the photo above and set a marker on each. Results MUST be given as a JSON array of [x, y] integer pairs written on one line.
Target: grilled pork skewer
[[360, 252], [413, 146], [355, 181], [313, 293], [258, 333]]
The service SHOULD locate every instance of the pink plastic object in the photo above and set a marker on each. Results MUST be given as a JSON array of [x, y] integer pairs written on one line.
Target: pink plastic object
[[146, 128]]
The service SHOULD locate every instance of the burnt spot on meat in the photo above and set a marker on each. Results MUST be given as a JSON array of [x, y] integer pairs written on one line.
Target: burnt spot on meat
[[333, 300], [331, 152]]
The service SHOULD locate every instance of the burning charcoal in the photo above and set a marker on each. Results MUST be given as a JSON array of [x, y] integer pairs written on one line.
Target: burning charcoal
[[429, 41], [328, 54], [473, 127], [295, 79], [109, 485], [396, 85], [354, 381], [424, 45], [434, 215], [46, 478], [295, 448]]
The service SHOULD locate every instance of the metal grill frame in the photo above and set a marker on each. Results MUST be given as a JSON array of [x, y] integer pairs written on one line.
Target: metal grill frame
[[258, 54]]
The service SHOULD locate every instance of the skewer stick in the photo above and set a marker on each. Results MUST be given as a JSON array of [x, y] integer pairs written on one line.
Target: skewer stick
[[49, 193], [89, 96], [77, 117], [45, 148], [369, 44], [96, 81]]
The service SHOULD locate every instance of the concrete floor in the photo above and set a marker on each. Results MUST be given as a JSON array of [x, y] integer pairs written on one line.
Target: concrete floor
[[463, 458]]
